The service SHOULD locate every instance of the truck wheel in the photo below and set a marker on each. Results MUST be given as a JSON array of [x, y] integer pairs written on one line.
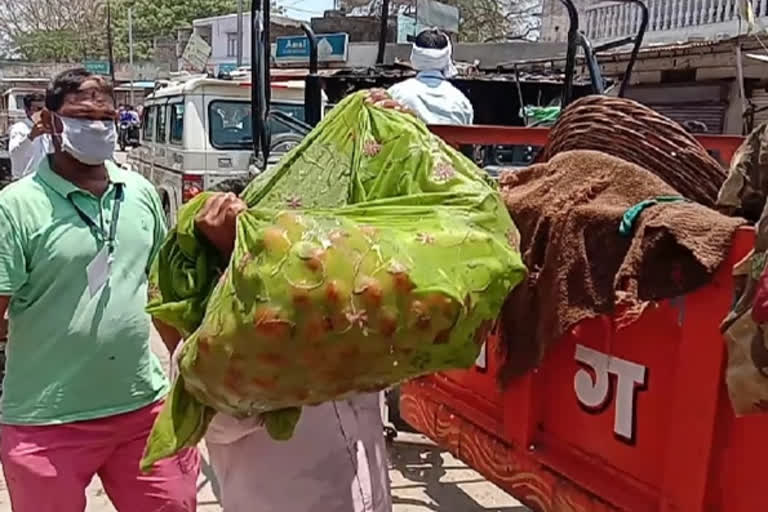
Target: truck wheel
[[393, 405]]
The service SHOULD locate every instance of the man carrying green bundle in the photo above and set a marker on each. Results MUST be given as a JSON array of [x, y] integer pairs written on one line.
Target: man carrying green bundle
[[372, 254], [336, 460]]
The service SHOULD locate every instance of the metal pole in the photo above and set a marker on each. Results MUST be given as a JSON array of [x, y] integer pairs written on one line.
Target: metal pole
[[570, 54], [312, 90], [130, 49], [383, 31], [740, 78], [260, 80], [523, 114], [109, 46], [239, 33], [644, 17]]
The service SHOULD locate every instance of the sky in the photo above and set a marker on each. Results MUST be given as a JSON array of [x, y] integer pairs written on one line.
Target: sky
[[305, 9]]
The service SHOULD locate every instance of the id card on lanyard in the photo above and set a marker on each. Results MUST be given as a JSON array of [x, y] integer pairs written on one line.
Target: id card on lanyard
[[98, 270]]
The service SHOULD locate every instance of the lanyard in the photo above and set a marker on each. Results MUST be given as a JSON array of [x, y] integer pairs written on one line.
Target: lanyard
[[110, 236]]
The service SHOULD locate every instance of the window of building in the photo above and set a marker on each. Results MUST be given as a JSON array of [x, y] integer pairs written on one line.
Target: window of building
[[231, 44]]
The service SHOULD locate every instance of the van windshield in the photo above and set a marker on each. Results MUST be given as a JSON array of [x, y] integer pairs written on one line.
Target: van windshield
[[230, 122]]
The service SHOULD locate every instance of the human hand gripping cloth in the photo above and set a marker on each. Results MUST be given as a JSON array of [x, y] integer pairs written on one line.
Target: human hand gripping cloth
[[373, 253]]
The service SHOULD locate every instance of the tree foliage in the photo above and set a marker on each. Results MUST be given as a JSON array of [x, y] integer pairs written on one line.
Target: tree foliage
[[72, 30], [498, 20], [160, 18], [51, 29], [481, 20]]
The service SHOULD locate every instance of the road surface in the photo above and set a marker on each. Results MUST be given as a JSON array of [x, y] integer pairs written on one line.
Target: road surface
[[424, 479]]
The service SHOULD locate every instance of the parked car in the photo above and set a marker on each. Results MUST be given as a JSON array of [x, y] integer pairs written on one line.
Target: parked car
[[197, 133]]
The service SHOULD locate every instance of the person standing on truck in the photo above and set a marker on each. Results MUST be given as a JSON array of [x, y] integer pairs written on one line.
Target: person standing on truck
[[82, 387], [28, 140], [430, 95]]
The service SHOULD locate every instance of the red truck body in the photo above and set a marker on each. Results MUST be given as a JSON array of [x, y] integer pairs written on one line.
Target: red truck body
[[636, 419]]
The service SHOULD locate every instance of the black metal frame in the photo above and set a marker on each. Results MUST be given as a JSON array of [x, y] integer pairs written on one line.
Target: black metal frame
[[578, 39], [313, 98], [383, 32], [261, 86], [260, 77]]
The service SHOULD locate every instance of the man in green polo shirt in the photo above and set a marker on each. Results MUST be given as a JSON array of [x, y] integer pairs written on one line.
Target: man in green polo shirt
[[82, 387]]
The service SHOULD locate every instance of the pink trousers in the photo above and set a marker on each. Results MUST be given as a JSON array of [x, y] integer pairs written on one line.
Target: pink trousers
[[47, 468]]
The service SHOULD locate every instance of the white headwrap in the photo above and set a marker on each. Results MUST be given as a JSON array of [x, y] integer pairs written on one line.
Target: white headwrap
[[431, 59]]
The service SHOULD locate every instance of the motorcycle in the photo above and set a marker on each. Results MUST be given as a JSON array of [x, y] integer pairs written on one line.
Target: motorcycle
[[128, 134]]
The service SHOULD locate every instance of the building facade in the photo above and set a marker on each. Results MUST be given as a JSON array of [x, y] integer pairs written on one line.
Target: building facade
[[221, 33], [694, 65], [669, 20]]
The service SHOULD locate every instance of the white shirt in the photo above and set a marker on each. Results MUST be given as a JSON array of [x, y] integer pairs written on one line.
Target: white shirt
[[434, 99], [26, 154], [337, 457]]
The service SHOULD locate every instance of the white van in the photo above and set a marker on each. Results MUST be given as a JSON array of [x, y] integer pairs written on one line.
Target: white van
[[197, 133]]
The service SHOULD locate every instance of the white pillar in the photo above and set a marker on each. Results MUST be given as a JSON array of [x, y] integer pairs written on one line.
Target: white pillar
[[653, 15], [679, 13], [720, 12], [690, 9]]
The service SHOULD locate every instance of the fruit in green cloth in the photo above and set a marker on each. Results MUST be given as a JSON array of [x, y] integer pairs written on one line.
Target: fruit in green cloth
[[373, 253]]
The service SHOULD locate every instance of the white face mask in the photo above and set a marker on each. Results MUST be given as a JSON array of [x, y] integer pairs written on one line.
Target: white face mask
[[89, 141]]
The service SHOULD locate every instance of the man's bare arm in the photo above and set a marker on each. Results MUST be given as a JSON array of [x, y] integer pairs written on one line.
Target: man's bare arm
[[216, 221]]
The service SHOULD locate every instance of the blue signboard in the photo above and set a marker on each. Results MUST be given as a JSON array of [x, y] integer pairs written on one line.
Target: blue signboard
[[295, 49]]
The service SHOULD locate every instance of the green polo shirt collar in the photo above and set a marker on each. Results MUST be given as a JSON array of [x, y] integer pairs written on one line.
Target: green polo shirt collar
[[65, 187]]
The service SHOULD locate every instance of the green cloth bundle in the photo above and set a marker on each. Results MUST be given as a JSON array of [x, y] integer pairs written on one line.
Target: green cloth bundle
[[373, 253]]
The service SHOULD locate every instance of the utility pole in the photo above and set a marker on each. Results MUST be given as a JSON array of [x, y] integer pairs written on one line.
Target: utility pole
[[130, 48], [240, 33], [109, 47], [383, 32]]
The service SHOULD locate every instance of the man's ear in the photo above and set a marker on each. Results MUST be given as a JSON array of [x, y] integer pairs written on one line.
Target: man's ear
[[52, 126]]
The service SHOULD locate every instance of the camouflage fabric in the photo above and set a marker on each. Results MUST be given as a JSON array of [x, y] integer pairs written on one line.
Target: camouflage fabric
[[744, 193]]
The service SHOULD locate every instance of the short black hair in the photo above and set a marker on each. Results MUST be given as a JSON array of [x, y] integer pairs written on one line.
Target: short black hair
[[432, 39], [31, 98], [234, 185], [67, 82]]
